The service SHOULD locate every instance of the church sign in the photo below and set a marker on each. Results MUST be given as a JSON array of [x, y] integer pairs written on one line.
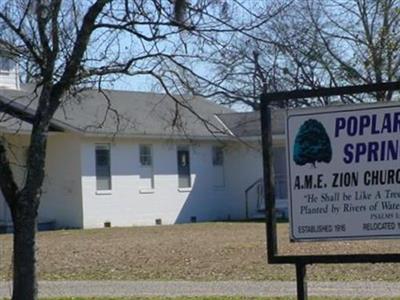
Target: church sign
[[344, 172]]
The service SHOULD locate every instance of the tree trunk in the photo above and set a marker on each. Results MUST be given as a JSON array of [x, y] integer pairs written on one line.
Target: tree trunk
[[24, 259]]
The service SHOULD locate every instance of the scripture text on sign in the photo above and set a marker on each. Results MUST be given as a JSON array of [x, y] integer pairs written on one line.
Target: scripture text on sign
[[344, 172]]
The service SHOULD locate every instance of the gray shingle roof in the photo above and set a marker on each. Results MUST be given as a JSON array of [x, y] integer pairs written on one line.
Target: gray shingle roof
[[126, 113], [248, 124]]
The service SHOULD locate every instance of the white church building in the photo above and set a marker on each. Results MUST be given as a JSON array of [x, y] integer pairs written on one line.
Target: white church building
[[114, 158]]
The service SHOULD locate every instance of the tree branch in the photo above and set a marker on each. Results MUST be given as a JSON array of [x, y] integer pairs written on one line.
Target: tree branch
[[7, 182]]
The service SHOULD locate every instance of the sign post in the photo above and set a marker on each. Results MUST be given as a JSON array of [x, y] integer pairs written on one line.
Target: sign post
[[343, 175]]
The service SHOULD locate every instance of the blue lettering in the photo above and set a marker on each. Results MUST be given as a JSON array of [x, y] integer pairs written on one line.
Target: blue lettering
[[365, 122], [393, 150], [374, 130], [361, 149], [340, 124], [348, 158], [383, 150], [386, 126], [352, 126], [396, 122], [373, 151]]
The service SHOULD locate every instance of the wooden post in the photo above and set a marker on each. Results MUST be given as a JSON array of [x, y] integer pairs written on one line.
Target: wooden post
[[301, 280], [269, 182]]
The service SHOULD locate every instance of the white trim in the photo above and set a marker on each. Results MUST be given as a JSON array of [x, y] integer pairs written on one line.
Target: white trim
[[103, 146], [157, 136], [188, 148], [103, 192], [150, 147], [147, 191], [223, 125]]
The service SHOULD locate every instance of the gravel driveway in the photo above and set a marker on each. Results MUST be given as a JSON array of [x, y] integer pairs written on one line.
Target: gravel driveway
[[223, 288]]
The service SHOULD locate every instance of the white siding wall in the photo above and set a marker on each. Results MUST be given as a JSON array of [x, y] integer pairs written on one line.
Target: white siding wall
[[61, 199], [280, 166], [10, 80], [244, 167], [71, 199], [128, 204]]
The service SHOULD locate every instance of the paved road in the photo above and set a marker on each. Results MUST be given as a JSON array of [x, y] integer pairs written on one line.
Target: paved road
[[224, 288]]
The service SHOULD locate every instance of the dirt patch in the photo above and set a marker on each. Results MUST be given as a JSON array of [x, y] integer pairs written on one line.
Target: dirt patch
[[211, 251]]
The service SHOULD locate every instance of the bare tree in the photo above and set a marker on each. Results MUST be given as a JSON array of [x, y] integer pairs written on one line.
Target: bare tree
[[67, 45], [224, 65], [357, 42], [318, 43]]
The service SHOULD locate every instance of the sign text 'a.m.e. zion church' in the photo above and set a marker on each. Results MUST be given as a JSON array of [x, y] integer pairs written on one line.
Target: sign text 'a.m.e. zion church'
[[344, 172]]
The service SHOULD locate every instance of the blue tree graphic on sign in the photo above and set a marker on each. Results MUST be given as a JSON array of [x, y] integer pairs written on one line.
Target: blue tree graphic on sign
[[312, 144]]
